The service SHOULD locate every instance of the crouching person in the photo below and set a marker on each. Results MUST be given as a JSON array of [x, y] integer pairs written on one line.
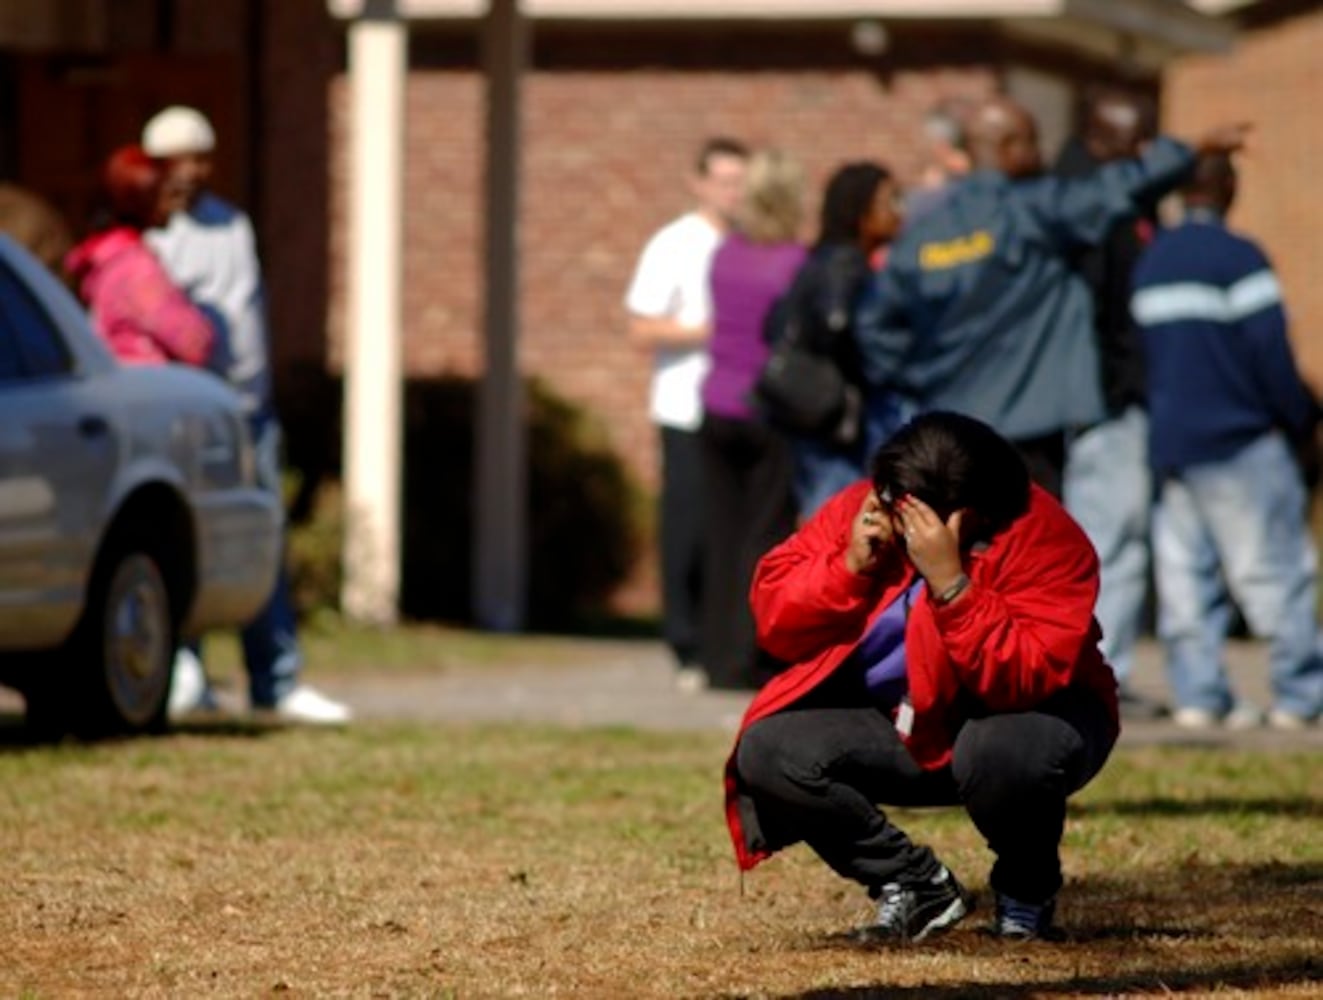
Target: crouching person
[[940, 620]]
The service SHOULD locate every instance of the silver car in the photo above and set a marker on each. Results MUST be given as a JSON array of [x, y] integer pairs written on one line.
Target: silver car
[[129, 514]]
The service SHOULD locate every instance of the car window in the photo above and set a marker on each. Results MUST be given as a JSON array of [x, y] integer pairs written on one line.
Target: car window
[[35, 347], [11, 364]]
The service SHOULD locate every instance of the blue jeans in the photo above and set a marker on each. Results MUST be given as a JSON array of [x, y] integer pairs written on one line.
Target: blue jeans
[[1240, 526], [1108, 489], [270, 641], [822, 470]]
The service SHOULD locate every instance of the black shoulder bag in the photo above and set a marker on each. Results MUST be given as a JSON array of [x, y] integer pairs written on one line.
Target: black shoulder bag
[[799, 389]]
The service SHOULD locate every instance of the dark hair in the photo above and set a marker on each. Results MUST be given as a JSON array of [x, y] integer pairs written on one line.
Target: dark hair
[[719, 146], [132, 181], [950, 461], [1212, 182], [846, 201]]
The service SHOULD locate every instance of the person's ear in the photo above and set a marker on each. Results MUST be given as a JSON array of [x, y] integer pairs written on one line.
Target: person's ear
[[956, 524], [966, 525]]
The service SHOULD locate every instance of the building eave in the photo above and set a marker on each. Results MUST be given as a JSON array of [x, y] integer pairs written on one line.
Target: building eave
[[1158, 25]]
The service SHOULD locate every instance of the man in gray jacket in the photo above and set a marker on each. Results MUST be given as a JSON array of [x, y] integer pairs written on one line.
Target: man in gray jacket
[[978, 309], [209, 251]]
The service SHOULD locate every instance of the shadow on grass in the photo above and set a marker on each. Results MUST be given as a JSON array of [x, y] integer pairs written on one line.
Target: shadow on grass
[[1235, 976], [17, 737], [1163, 930], [1306, 808]]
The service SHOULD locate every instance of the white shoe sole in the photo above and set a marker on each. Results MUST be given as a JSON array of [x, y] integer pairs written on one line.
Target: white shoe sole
[[945, 920]]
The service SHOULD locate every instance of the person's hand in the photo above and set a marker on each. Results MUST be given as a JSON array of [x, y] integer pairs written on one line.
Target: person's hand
[[869, 535], [1223, 139], [933, 546]]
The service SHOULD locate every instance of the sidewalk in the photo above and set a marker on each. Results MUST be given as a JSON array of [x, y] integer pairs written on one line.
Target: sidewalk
[[629, 683]]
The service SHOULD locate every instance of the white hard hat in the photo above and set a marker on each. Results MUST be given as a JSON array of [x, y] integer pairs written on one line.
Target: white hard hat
[[176, 131]]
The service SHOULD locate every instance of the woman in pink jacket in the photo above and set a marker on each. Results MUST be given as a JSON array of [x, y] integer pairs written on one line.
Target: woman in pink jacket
[[134, 305]]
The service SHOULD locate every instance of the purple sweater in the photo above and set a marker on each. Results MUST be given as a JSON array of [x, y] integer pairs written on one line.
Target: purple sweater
[[746, 279]]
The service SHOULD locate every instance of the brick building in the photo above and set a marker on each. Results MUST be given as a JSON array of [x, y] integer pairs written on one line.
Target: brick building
[[1273, 78], [617, 97], [614, 109]]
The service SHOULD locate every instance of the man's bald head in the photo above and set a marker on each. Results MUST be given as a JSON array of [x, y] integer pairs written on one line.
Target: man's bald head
[[1116, 126], [1003, 136]]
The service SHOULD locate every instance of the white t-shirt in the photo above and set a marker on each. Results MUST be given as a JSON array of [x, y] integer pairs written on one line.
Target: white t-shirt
[[671, 281]]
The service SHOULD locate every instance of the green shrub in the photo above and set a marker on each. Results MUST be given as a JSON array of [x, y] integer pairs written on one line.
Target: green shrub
[[314, 547], [588, 517], [585, 511]]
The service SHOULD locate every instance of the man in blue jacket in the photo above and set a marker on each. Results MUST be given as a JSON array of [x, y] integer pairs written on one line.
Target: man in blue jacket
[[979, 310], [1228, 411]]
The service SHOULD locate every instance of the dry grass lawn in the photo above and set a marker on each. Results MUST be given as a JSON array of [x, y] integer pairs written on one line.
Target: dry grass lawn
[[402, 861]]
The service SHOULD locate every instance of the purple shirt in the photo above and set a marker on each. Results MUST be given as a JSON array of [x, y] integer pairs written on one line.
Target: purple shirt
[[882, 649], [746, 279]]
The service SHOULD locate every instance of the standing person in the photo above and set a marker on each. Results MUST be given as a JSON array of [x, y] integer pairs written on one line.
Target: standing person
[[1107, 486], [940, 623], [748, 467], [670, 313], [1228, 406], [978, 310], [140, 313], [207, 247], [860, 214], [133, 305]]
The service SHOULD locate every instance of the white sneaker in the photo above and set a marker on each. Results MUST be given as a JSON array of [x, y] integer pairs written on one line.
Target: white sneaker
[[691, 680], [189, 690], [1243, 715], [309, 706], [1194, 718], [1287, 721]]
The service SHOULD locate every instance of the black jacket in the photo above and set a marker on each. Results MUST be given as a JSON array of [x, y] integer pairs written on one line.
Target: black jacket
[[1107, 270], [820, 305]]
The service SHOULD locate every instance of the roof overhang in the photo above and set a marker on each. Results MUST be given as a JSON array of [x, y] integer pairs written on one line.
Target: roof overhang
[[1168, 25]]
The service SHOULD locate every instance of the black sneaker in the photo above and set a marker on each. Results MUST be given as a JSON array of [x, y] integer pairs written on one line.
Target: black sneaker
[[1017, 921], [914, 910]]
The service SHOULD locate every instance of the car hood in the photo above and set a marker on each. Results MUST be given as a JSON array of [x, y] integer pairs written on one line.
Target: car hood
[[174, 386]]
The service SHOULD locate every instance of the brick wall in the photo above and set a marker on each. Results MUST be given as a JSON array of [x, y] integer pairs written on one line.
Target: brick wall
[[605, 159], [1274, 78]]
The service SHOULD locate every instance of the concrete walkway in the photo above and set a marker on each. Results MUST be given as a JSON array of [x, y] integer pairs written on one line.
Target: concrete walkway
[[630, 683]]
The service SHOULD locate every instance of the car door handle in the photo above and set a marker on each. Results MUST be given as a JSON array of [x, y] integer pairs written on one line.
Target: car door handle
[[92, 426]]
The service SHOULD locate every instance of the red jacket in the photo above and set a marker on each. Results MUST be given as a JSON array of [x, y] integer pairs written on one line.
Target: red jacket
[[1023, 631]]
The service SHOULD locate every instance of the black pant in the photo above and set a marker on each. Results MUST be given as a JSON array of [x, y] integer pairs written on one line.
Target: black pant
[[748, 473], [681, 538], [817, 772]]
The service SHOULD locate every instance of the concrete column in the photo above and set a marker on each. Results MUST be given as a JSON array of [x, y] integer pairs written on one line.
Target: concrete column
[[500, 554], [373, 414]]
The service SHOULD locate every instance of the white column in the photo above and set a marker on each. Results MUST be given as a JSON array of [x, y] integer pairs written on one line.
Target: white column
[[373, 413], [500, 553]]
